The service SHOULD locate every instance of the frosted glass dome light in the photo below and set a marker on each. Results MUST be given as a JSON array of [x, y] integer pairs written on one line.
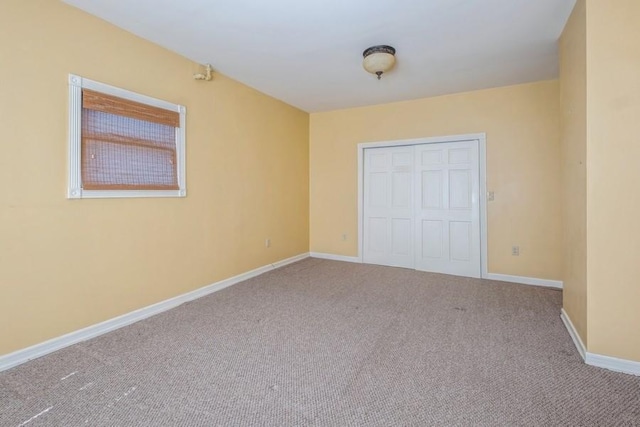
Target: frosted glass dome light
[[379, 59]]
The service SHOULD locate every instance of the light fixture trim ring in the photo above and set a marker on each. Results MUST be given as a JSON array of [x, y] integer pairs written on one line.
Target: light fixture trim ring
[[381, 48]]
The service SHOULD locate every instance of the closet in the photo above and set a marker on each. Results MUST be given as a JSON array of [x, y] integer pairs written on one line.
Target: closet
[[421, 207]]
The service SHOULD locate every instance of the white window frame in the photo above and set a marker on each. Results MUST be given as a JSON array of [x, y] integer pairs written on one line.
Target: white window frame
[[74, 190]]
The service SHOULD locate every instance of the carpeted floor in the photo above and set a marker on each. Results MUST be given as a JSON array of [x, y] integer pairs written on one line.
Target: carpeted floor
[[325, 343]]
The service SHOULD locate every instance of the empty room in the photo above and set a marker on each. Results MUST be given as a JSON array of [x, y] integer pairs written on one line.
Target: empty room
[[319, 213]]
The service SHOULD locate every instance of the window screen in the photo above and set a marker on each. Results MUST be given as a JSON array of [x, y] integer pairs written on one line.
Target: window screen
[[127, 145]]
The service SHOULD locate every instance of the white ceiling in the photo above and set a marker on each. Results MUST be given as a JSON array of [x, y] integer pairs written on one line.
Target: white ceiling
[[308, 53]]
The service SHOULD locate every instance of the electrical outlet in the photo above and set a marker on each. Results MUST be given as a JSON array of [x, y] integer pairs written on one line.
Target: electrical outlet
[[491, 196], [515, 250], [267, 243], [344, 237]]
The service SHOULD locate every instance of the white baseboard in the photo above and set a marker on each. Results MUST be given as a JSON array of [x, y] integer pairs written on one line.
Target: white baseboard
[[573, 332], [333, 257], [598, 360], [613, 363], [490, 276], [525, 280], [21, 356]]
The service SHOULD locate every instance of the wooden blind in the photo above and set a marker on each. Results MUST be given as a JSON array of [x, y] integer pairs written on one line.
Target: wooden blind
[[127, 145], [97, 101]]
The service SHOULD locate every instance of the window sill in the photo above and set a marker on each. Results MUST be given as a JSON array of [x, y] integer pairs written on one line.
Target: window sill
[[117, 194]]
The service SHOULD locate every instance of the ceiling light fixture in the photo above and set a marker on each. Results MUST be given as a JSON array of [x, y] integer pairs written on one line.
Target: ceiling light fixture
[[379, 59]]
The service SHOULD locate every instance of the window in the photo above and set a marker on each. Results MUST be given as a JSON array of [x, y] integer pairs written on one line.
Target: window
[[122, 144]]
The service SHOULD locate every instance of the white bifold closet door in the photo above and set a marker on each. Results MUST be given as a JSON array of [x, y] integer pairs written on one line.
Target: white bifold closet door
[[389, 207], [421, 207]]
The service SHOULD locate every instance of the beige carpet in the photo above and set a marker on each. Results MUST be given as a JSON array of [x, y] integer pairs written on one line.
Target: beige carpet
[[324, 343]]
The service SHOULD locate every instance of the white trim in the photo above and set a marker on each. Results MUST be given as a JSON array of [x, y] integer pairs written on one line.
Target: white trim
[[21, 356], [525, 280], [124, 194], [481, 138], [279, 264], [181, 152], [484, 245], [426, 140], [74, 188], [598, 360], [333, 257], [360, 200], [573, 332], [124, 94], [613, 364]]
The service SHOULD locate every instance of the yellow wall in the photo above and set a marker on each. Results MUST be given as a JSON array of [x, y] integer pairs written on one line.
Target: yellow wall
[[522, 124], [66, 264], [613, 177], [573, 98]]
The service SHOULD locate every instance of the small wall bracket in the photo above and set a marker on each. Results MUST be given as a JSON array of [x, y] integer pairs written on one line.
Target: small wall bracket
[[207, 75]]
